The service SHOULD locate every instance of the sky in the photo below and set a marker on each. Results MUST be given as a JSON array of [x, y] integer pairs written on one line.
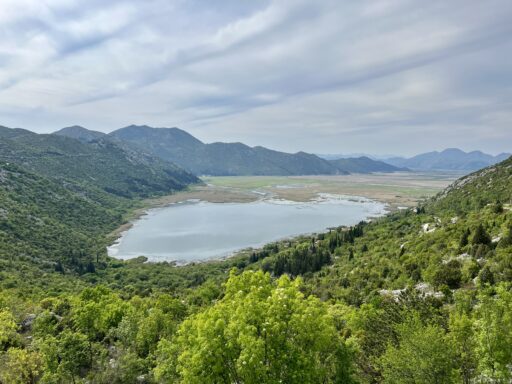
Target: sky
[[331, 76]]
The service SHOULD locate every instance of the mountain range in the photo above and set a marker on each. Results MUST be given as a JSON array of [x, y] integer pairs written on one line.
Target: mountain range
[[225, 159], [100, 165], [172, 153], [451, 159]]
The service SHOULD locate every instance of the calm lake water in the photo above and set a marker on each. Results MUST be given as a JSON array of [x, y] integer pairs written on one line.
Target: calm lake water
[[193, 231]]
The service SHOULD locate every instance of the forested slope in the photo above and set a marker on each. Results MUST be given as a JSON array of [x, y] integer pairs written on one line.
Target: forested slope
[[104, 164], [418, 296]]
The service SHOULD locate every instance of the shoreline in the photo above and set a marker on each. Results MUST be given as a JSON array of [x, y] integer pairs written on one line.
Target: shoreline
[[321, 198], [201, 193], [394, 191]]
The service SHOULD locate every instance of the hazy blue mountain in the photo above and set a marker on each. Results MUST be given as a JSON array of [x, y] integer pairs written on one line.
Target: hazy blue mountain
[[502, 156], [80, 133], [336, 156], [364, 164], [452, 159], [178, 146], [102, 164]]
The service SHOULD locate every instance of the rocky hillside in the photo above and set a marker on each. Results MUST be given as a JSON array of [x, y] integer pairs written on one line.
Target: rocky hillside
[[103, 164], [233, 159]]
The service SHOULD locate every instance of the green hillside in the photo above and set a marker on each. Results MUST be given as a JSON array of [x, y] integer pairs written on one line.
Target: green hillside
[[48, 226], [418, 296], [102, 164]]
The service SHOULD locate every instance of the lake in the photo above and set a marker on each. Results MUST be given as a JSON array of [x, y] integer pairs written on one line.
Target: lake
[[197, 230]]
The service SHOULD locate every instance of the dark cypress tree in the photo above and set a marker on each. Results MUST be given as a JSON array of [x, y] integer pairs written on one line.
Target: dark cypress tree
[[481, 236], [464, 240], [486, 276], [59, 268], [497, 207], [90, 268]]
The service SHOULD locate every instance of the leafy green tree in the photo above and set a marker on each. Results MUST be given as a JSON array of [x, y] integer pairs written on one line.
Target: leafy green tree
[[46, 324], [463, 339], [494, 334], [151, 329], [124, 367], [8, 328], [260, 332], [423, 355], [506, 241], [65, 358], [20, 366], [97, 311]]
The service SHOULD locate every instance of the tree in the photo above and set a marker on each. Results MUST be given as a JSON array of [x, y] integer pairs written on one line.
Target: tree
[[423, 355], [464, 240], [58, 267], [20, 366], [497, 208], [481, 236], [494, 335], [448, 274], [64, 357], [260, 332], [506, 241], [486, 276], [462, 337], [124, 367], [8, 328]]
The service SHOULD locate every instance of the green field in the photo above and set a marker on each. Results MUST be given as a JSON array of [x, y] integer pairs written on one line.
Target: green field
[[397, 189]]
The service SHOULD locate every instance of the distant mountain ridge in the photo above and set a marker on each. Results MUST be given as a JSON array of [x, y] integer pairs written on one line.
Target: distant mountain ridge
[[451, 159], [220, 159], [235, 159], [80, 133], [103, 164], [364, 164]]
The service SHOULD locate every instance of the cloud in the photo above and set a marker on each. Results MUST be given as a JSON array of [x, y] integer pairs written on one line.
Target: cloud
[[324, 76]]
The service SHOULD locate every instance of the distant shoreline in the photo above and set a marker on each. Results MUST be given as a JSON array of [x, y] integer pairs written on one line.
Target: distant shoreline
[[396, 191], [379, 209]]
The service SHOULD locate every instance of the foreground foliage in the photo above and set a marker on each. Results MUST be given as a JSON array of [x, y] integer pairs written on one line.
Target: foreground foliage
[[419, 296], [261, 331]]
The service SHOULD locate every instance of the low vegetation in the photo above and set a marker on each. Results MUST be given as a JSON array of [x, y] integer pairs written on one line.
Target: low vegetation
[[420, 296]]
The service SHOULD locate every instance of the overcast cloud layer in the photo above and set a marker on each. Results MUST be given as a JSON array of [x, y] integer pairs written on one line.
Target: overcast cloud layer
[[322, 76]]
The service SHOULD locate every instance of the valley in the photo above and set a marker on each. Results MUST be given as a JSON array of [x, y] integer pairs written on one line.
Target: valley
[[401, 189], [224, 215], [198, 231], [395, 189], [255, 192]]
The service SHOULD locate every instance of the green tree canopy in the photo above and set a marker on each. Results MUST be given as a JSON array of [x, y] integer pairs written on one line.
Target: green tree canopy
[[262, 331], [422, 356]]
